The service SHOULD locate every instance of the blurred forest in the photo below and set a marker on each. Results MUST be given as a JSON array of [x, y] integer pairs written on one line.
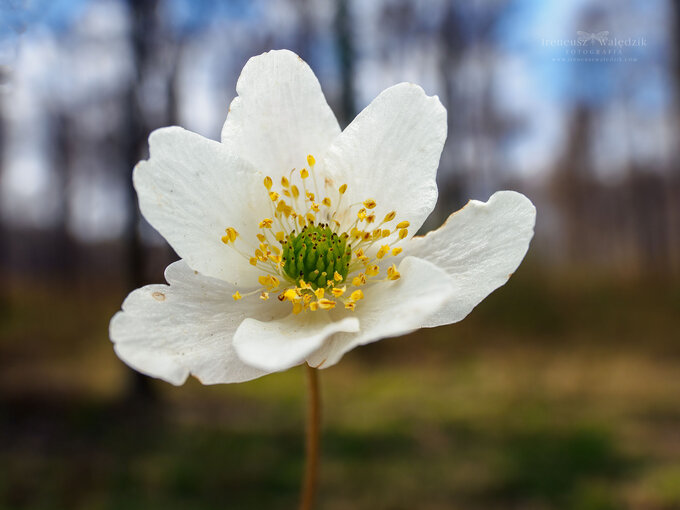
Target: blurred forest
[[560, 391]]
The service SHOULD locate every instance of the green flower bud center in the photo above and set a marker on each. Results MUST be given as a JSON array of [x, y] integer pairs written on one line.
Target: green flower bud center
[[315, 255]]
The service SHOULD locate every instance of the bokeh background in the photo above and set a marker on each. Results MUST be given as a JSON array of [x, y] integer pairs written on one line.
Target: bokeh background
[[560, 391]]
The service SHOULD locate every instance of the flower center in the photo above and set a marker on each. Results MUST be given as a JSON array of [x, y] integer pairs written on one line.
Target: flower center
[[315, 255], [303, 255]]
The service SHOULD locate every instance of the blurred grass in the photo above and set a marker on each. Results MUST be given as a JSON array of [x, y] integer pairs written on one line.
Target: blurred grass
[[556, 393]]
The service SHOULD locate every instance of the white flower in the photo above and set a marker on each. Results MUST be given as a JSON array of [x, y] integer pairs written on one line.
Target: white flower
[[237, 306]]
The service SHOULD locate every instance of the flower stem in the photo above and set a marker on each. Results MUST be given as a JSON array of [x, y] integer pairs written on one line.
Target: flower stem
[[312, 443]]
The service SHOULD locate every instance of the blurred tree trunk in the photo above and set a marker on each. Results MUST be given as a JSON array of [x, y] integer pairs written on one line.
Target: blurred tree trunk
[[346, 58], [673, 195], [64, 247], [136, 131]]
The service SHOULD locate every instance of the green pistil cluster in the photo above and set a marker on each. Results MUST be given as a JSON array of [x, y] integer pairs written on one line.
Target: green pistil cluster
[[315, 255]]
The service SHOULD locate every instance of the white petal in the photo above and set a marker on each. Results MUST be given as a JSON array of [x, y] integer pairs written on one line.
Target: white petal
[[190, 190], [390, 153], [281, 344], [479, 247], [171, 331], [391, 308], [280, 115]]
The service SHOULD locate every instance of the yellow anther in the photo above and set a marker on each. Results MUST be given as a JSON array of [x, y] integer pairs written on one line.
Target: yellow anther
[[326, 201], [280, 236], [268, 182], [297, 307], [284, 181], [309, 195], [304, 285], [384, 250], [337, 276], [264, 296], [237, 295], [275, 249], [319, 293], [369, 203], [360, 280], [315, 207], [326, 304], [286, 192], [268, 281], [386, 232], [310, 160], [403, 224], [342, 189], [390, 216], [350, 306], [291, 294], [377, 233], [295, 191], [356, 295], [261, 238], [253, 261], [310, 217], [366, 236], [304, 173], [392, 273], [396, 251], [314, 306], [274, 196], [338, 291], [403, 233], [370, 218], [266, 223], [231, 235], [361, 214], [306, 298], [276, 258], [372, 270], [301, 221]]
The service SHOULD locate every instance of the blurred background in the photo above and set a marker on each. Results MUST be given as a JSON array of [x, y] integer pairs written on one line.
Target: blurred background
[[560, 391]]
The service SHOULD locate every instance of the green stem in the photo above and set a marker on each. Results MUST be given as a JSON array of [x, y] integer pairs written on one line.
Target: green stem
[[312, 444]]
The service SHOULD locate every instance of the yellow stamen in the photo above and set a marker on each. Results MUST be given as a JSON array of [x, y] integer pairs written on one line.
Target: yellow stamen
[[384, 249], [326, 201], [369, 203], [310, 160], [342, 189], [392, 273], [338, 291], [304, 173], [372, 270], [274, 196], [266, 223], [237, 295], [284, 181], [357, 281], [403, 233], [268, 182], [264, 296], [356, 295], [390, 216], [396, 251], [403, 224], [337, 276], [326, 304]]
